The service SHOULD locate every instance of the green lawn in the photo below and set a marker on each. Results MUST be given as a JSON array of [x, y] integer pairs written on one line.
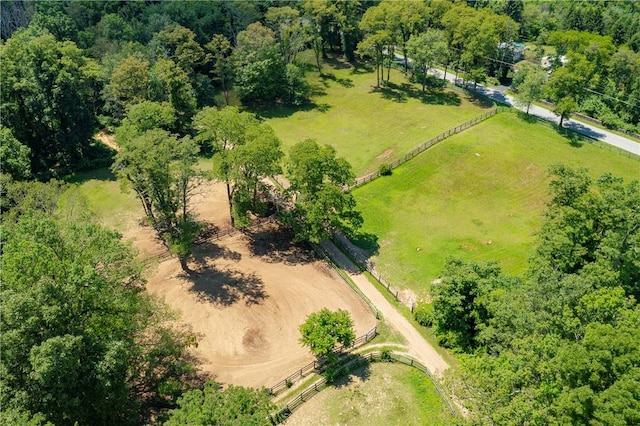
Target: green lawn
[[367, 126], [382, 394], [477, 195], [113, 208]]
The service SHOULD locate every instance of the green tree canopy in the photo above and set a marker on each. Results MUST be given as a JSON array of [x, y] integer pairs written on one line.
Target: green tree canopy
[[81, 341], [233, 406], [46, 98], [317, 179], [324, 330]]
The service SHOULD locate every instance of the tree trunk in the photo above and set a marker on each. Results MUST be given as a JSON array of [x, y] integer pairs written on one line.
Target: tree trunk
[[424, 79], [445, 73], [406, 61], [528, 106], [230, 202], [183, 263]]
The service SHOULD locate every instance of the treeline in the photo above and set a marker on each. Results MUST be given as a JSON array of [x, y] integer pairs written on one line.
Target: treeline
[[561, 343], [71, 67]]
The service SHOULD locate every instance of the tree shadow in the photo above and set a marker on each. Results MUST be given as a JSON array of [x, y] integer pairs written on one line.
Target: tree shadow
[[276, 245], [226, 287], [207, 251], [432, 95], [356, 367], [103, 174], [287, 111], [366, 241], [344, 82], [336, 62]]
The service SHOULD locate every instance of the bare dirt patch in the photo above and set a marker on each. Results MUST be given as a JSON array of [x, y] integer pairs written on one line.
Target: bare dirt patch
[[246, 296], [385, 154], [108, 138]]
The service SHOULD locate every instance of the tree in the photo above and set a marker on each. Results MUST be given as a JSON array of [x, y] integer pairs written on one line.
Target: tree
[[564, 108], [178, 44], [81, 341], [223, 130], [160, 169], [128, 85], [325, 329], [459, 314], [563, 88], [289, 31], [234, 405], [567, 332], [317, 179], [407, 19], [14, 156], [223, 68], [171, 83], [245, 152], [259, 66], [249, 164], [426, 49], [530, 86], [378, 38], [46, 98]]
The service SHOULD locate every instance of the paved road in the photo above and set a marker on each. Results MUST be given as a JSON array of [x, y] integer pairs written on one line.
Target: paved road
[[583, 128]]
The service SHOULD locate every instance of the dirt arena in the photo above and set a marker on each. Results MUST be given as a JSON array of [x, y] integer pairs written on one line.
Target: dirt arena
[[247, 295]]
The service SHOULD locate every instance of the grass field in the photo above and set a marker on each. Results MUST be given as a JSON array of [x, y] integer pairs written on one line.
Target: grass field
[[478, 195], [380, 394], [370, 127], [113, 208]]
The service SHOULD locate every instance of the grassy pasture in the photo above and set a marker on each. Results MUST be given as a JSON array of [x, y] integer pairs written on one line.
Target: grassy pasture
[[380, 394], [370, 126], [478, 195]]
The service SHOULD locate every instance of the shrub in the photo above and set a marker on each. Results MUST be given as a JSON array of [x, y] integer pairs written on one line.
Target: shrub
[[385, 169], [423, 314]]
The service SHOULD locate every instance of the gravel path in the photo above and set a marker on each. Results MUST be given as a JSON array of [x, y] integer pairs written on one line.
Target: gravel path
[[418, 347]]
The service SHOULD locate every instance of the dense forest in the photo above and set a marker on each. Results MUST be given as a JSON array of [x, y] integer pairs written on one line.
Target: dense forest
[[558, 345], [82, 342]]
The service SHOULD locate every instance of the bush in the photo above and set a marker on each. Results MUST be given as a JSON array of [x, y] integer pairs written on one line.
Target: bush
[[386, 170], [423, 314]]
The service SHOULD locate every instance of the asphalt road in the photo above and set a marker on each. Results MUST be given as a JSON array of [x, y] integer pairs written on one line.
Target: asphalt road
[[583, 128]]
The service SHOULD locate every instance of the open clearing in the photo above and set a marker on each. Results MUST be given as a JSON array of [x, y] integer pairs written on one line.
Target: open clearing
[[377, 394], [478, 195], [370, 126], [246, 297]]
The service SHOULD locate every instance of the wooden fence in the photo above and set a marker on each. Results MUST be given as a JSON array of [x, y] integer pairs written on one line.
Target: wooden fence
[[213, 235], [319, 364], [424, 146], [339, 240], [386, 356], [322, 253]]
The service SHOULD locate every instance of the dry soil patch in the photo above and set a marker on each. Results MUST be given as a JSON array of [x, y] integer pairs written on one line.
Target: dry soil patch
[[246, 297]]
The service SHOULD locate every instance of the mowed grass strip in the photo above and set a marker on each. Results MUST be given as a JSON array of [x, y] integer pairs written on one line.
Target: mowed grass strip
[[380, 394], [478, 195], [370, 126]]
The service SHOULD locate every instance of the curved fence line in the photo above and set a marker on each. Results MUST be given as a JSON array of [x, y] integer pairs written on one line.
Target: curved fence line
[[378, 356], [319, 364], [424, 146], [215, 235]]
